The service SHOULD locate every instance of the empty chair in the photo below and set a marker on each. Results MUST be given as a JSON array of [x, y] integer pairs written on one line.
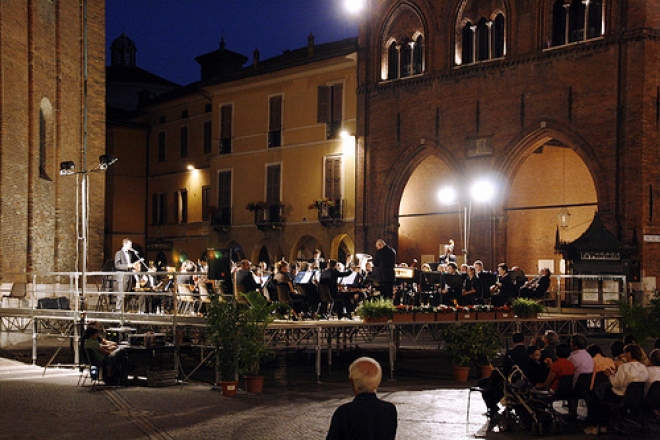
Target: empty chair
[[186, 300], [204, 298], [629, 409]]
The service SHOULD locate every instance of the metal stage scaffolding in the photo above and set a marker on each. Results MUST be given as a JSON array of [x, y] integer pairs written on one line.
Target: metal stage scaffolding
[[27, 310]]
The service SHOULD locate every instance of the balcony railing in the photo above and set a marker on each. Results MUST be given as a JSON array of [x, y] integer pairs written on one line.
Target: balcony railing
[[269, 217], [331, 213]]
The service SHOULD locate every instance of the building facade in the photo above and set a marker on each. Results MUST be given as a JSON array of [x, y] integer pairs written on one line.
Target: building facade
[[258, 158], [555, 103], [52, 110]]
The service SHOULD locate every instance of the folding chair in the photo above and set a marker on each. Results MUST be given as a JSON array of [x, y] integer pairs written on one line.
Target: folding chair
[[284, 297], [90, 369], [186, 300], [629, 409]]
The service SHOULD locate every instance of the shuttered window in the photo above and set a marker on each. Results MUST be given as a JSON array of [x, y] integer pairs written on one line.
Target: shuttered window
[[333, 178]]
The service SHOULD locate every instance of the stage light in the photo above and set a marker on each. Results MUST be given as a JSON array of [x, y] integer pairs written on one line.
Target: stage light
[[106, 160], [67, 168]]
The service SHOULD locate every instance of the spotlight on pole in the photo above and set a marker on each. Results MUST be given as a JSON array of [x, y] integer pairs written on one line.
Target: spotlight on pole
[[354, 6], [67, 168], [106, 160]]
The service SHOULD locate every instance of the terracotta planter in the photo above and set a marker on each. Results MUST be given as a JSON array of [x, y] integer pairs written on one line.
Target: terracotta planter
[[485, 370], [229, 388], [465, 316], [425, 317], [505, 316], [402, 317], [254, 384], [445, 317], [381, 319], [486, 316], [461, 373]]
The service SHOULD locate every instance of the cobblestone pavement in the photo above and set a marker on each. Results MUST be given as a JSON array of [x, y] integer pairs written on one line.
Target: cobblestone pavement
[[52, 405]]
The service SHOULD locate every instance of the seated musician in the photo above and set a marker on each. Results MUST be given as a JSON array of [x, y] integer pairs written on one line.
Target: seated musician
[[330, 277], [282, 278], [185, 279], [305, 282], [245, 281], [453, 285], [536, 287]]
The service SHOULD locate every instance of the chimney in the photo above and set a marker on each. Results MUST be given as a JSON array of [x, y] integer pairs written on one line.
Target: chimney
[[255, 55], [310, 45]]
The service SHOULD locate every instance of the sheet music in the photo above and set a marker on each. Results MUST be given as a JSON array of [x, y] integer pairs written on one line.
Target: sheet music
[[349, 280], [304, 277]]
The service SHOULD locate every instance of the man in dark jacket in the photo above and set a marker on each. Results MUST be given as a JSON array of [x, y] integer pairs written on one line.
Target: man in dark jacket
[[384, 262], [366, 417]]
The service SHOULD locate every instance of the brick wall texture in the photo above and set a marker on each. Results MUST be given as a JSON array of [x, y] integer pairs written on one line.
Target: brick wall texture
[[42, 123]]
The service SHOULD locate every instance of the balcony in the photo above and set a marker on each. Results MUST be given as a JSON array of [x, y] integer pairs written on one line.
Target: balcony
[[331, 213], [269, 217], [221, 219]]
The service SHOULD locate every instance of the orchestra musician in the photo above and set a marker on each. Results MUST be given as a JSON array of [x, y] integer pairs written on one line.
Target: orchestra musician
[[125, 262], [245, 281], [330, 277], [536, 287], [503, 290], [453, 285], [384, 262], [471, 286]]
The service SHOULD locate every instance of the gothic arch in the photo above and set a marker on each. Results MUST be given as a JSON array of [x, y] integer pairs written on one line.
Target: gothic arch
[[337, 241], [272, 247], [404, 22], [472, 11]]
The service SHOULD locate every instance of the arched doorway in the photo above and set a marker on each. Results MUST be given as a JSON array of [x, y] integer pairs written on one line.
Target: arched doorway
[[425, 224], [304, 248], [552, 180], [267, 250]]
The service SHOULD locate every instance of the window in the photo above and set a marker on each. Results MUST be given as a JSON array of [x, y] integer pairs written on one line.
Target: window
[[184, 141], [481, 36], [330, 107], [225, 128], [224, 198], [393, 61], [405, 53], [161, 119], [208, 130], [468, 43], [275, 122], [332, 184], [161, 146], [184, 114], [159, 209], [208, 108], [418, 56], [576, 20], [402, 44], [206, 191], [273, 184], [182, 207], [46, 158]]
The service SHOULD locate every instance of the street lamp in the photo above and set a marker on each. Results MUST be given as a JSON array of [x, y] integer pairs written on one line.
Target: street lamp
[[355, 6], [68, 168], [481, 191]]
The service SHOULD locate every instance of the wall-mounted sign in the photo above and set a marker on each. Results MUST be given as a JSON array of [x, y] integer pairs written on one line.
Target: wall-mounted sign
[[652, 238], [161, 246], [600, 255]]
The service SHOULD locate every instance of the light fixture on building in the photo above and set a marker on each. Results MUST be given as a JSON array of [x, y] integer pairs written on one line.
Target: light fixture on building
[[564, 217], [67, 168], [106, 160]]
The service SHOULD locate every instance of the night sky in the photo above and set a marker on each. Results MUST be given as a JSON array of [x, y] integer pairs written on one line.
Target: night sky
[[169, 34]]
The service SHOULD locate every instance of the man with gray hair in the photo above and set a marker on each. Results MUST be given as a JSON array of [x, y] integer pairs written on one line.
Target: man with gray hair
[[366, 417]]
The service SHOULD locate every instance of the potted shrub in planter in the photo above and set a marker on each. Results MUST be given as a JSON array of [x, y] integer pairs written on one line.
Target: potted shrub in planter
[[254, 318], [504, 313], [425, 314], [526, 308], [223, 325], [487, 346], [485, 312], [403, 314], [466, 313], [445, 313], [460, 344], [378, 310]]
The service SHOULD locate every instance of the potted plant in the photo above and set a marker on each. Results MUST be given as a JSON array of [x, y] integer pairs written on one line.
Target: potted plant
[[485, 312], [376, 310], [403, 313], [504, 313], [466, 313], [445, 313], [255, 318], [223, 325], [526, 308], [425, 313], [459, 344], [486, 347], [255, 206]]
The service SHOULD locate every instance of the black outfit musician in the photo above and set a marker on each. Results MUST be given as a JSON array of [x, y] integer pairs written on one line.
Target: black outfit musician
[[245, 280], [507, 290], [124, 262], [537, 287], [453, 285], [471, 287], [330, 277], [384, 262]]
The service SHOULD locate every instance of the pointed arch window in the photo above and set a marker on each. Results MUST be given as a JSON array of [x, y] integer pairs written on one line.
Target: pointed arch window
[[468, 44], [576, 20], [45, 139], [483, 40], [406, 58], [498, 37], [393, 61], [418, 56]]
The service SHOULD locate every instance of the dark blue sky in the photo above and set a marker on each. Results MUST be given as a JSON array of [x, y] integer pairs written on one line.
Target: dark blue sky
[[169, 34]]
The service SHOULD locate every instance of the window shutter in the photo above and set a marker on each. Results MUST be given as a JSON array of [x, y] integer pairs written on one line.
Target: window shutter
[[337, 102], [323, 111], [333, 178], [273, 184], [275, 122], [226, 115]]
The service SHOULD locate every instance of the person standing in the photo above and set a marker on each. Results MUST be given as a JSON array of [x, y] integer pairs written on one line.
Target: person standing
[[384, 262], [366, 417], [124, 263], [504, 289]]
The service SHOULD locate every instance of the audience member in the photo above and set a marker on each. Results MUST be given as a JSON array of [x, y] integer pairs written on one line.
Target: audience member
[[581, 360], [631, 339], [104, 356], [492, 386], [616, 348], [561, 367], [550, 339], [601, 363], [366, 417], [653, 369]]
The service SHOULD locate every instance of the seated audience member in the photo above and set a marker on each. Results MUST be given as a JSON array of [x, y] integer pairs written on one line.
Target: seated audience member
[[631, 339], [105, 343], [550, 339], [561, 367], [601, 363], [598, 414], [103, 356], [366, 417], [492, 386], [616, 348], [653, 369], [536, 372], [581, 360]]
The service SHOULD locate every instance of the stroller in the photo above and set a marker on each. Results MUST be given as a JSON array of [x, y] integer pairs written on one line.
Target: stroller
[[529, 408]]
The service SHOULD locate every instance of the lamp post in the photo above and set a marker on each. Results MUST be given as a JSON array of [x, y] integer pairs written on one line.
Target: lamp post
[[68, 168], [481, 191]]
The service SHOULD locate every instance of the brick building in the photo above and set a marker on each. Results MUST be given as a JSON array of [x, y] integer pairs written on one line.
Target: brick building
[[554, 101], [52, 101]]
